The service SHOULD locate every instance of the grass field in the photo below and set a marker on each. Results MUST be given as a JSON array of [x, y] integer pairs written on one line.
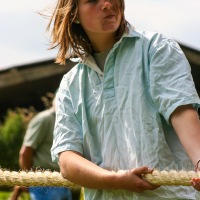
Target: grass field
[[5, 196]]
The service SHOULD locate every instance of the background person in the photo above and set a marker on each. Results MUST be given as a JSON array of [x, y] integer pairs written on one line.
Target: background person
[[35, 154]]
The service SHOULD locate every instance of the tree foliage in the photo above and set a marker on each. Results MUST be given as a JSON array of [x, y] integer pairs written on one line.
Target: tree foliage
[[12, 131]]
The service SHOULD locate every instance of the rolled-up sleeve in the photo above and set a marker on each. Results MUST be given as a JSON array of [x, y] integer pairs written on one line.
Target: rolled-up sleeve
[[67, 131], [171, 82]]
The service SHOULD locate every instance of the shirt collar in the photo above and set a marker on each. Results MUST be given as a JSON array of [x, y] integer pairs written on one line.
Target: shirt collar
[[89, 60]]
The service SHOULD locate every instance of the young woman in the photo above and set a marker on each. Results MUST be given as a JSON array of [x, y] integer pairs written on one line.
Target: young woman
[[128, 106]]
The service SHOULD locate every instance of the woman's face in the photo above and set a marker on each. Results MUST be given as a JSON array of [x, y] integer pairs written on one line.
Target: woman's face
[[98, 16]]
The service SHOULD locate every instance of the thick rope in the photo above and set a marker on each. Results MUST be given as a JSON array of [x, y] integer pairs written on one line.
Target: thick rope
[[48, 178], [171, 177], [37, 178]]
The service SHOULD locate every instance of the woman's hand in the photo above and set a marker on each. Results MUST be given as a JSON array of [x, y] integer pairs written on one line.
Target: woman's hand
[[196, 183], [132, 180]]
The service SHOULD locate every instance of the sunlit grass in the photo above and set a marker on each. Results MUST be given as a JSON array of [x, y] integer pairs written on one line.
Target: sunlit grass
[[5, 195]]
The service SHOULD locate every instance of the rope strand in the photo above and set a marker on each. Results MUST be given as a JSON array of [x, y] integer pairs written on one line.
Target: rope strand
[[37, 178], [171, 177]]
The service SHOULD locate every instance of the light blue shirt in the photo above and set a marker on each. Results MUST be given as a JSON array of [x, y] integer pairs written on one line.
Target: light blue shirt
[[119, 118]]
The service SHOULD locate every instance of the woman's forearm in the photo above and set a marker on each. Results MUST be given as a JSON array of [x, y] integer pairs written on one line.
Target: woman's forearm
[[185, 121], [80, 171], [84, 173]]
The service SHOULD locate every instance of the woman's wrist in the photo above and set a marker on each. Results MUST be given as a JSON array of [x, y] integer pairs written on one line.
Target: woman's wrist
[[118, 179], [113, 180]]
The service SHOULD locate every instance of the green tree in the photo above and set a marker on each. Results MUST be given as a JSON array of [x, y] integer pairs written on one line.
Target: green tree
[[11, 136]]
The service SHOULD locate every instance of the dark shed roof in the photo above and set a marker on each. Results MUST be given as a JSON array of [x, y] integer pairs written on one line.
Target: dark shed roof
[[23, 86]]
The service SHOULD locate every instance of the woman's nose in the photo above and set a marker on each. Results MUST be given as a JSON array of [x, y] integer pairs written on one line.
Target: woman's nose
[[106, 5]]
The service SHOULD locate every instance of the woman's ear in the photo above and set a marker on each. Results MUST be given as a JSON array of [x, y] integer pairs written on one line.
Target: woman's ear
[[77, 21]]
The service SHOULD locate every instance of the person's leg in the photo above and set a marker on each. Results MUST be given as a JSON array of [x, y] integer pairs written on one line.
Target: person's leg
[[50, 193], [17, 190], [37, 193], [59, 193]]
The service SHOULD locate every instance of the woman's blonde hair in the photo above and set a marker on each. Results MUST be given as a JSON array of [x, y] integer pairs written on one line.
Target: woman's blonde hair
[[69, 36]]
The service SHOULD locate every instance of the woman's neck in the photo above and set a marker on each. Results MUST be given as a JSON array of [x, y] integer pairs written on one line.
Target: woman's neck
[[102, 42]]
